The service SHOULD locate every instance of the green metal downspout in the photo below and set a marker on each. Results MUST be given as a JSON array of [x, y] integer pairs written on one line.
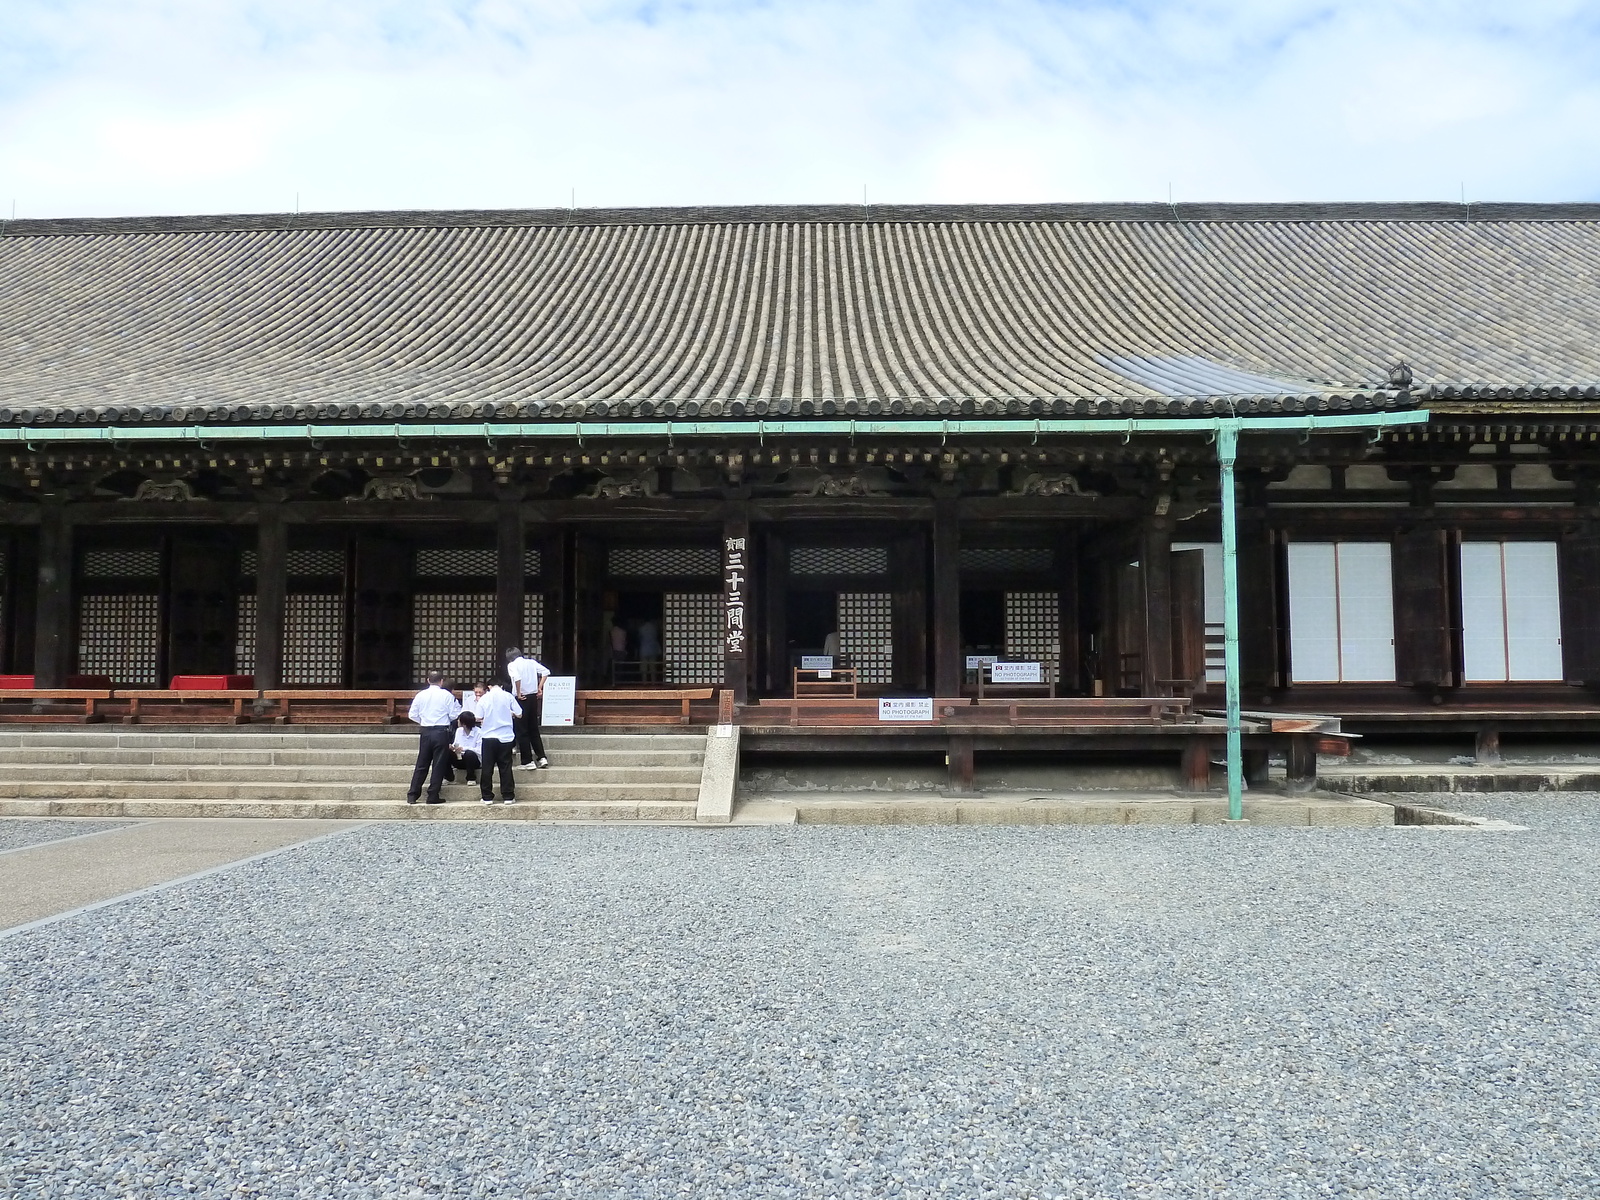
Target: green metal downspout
[[1227, 452], [1226, 431]]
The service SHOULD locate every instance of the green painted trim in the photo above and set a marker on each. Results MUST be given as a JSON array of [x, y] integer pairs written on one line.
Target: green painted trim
[[581, 430]]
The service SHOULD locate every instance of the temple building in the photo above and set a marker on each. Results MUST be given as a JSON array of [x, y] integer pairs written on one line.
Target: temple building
[[664, 447]]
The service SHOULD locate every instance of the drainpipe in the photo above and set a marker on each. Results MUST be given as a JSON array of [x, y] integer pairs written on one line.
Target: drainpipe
[[1227, 452]]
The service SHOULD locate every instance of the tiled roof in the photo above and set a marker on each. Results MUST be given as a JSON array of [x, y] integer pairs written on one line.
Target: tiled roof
[[1037, 309]]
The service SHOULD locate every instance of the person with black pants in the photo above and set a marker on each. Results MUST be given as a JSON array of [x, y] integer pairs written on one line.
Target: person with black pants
[[496, 711], [527, 676], [435, 711], [466, 752]]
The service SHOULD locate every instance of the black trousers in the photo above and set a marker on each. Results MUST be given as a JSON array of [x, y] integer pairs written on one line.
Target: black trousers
[[530, 745], [466, 761], [497, 754], [433, 758]]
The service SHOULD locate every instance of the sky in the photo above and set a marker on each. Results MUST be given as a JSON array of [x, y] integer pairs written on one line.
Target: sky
[[131, 107]]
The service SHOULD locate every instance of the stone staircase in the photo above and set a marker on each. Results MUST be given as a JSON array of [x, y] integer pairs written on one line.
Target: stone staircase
[[279, 773]]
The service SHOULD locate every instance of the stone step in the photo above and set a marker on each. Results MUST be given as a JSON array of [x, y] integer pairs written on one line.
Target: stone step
[[529, 785], [390, 774], [55, 759], [115, 737], [526, 809]]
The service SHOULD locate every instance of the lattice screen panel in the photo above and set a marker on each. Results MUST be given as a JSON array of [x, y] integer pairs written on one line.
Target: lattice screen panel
[[1033, 627], [117, 637], [667, 561], [316, 562], [691, 637], [866, 634], [461, 561], [838, 560], [121, 564], [532, 563], [1007, 559], [313, 638], [244, 641], [533, 624], [453, 633], [247, 564]]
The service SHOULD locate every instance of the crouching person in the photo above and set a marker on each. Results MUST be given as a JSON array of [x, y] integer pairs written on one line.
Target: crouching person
[[466, 752]]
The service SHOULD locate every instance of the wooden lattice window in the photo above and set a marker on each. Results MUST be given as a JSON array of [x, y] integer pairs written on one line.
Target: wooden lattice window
[[533, 623], [866, 634], [460, 562], [663, 561], [1007, 560], [324, 562], [532, 563], [453, 633], [244, 642], [313, 637], [121, 564], [1033, 627], [691, 637], [838, 560], [117, 637]]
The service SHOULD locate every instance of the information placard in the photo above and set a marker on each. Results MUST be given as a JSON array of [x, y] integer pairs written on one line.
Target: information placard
[[816, 662], [905, 709], [976, 662], [560, 695], [1016, 672]]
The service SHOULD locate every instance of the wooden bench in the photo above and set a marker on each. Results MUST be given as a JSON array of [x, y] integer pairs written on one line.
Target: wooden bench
[[1084, 710], [834, 683], [638, 706], [186, 706], [53, 706], [336, 706]]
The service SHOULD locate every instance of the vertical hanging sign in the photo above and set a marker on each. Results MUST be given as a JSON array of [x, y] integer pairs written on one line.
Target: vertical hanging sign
[[735, 575]]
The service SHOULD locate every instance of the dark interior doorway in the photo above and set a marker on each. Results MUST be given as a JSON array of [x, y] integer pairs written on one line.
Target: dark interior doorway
[[983, 622], [633, 634], [812, 616]]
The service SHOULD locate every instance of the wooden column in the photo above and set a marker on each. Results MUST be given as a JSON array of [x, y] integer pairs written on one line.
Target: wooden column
[[1422, 625], [272, 587], [559, 583], [1155, 562], [908, 565], [1580, 605], [1259, 660], [52, 639], [947, 661], [509, 543], [1301, 775], [775, 614], [962, 765], [738, 598]]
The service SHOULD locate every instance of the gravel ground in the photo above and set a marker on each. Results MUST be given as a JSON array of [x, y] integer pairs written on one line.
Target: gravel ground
[[434, 1010], [17, 832]]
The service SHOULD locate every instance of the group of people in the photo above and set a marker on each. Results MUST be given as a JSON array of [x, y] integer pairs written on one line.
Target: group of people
[[479, 734]]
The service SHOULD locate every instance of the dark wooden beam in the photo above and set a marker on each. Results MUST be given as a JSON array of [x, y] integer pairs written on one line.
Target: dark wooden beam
[[272, 585], [52, 639], [509, 544], [1155, 568], [947, 662]]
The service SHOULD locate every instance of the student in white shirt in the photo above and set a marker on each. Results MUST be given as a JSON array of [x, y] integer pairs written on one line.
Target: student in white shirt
[[469, 703], [527, 685], [466, 752], [435, 711], [496, 712]]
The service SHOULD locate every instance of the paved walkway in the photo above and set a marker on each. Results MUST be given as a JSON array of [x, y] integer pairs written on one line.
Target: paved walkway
[[71, 872]]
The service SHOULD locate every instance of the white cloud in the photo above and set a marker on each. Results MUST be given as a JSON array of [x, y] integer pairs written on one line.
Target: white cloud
[[128, 106]]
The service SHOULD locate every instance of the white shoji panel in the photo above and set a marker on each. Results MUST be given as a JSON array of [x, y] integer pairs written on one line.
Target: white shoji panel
[[459, 561], [838, 560], [866, 634], [1211, 556], [1033, 628], [1011, 559], [117, 637], [313, 638], [453, 633], [1511, 611], [691, 637], [669, 561], [316, 562], [244, 641], [1341, 612], [532, 563], [121, 564], [533, 624]]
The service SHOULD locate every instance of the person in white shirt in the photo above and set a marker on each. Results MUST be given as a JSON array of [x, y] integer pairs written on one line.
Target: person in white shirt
[[496, 712], [469, 704], [435, 711], [466, 752], [527, 685]]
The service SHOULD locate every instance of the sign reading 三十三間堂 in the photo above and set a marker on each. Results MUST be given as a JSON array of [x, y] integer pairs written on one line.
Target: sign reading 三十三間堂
[[1015, 672], [560, 696], [735, 574], [905, 709]]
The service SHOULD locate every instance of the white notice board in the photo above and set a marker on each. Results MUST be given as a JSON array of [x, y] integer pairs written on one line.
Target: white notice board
[[816, 662], [560, 696], [902, 709], [1015, 672], [978, 661]]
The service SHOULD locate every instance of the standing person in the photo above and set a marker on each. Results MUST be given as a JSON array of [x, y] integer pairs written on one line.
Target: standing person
[[498, 709], [527, 684], [466, 752], [650, 652], [434, 710]]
